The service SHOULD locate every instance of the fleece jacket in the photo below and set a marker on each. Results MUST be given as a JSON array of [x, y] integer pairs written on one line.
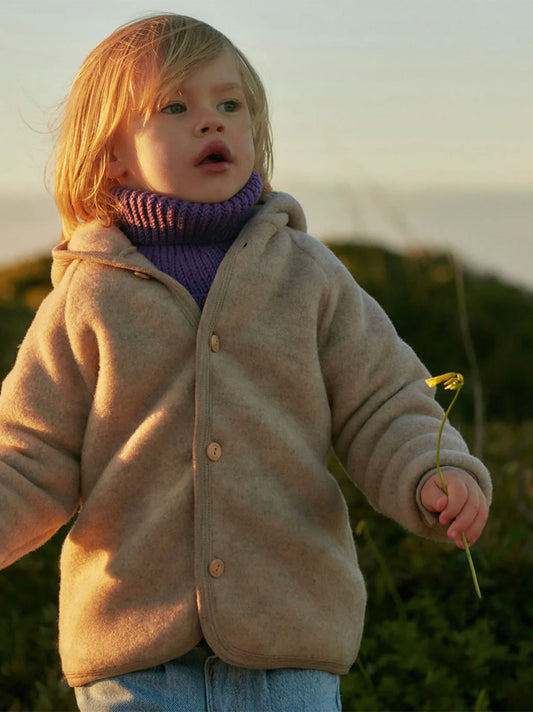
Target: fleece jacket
[[191, 449]]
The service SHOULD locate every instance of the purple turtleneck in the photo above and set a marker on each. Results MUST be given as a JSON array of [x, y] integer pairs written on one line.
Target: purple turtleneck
[[186, 240]]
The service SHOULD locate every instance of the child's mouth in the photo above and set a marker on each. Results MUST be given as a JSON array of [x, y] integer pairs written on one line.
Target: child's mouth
[[213, 158], [214, 153]]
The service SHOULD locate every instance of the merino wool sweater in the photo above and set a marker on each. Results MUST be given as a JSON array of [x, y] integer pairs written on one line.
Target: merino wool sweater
[[192, 446], [186, 240]]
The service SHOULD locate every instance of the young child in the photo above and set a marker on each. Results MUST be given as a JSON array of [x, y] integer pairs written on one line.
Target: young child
[[179, 391]]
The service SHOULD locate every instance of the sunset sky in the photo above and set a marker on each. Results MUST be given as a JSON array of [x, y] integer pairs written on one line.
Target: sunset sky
[[368, 97]]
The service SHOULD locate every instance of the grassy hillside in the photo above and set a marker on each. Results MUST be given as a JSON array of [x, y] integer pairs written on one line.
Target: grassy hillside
[[428, 644]]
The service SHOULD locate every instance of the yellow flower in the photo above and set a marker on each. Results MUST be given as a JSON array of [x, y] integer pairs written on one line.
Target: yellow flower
[[452, 381]]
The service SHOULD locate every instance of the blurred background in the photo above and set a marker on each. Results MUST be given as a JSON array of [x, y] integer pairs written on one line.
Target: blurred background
[[404, 122]]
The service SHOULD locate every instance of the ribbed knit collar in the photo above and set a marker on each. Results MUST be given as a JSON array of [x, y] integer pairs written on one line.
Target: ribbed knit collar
[[153, 219]]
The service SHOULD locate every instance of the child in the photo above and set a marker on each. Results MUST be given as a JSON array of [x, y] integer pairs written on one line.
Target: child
[[180, 388]]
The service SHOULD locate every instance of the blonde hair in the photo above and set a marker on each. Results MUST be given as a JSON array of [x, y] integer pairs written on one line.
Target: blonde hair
[[130, 71]]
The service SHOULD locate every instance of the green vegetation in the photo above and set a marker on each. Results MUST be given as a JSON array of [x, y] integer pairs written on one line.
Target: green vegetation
[[429, 644]]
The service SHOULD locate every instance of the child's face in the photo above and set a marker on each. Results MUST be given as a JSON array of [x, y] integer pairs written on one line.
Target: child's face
[[198, 146]]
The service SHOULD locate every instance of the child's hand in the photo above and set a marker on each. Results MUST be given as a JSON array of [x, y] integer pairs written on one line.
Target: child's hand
[[465, 506]]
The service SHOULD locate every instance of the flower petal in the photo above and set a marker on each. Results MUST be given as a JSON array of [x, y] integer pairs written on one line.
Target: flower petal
[[452, 381]]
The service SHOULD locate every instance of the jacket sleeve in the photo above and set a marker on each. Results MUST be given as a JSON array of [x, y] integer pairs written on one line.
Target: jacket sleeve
[[385, 419], [43, 410]]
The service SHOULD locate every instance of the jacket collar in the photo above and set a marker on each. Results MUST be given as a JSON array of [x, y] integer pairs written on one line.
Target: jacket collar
[[95, 242]]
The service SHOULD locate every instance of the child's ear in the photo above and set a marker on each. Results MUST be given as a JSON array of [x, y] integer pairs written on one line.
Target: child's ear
[[115, 168]]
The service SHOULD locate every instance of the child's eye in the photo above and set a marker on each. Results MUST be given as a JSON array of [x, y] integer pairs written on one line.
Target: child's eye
[[230, 106], [174, 108]]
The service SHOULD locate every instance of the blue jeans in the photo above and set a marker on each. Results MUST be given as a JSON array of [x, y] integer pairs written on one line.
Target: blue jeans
[[200, 682]]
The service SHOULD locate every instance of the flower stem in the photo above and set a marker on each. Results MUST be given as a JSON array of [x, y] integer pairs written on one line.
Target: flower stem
[[445, 488], [472, 568]]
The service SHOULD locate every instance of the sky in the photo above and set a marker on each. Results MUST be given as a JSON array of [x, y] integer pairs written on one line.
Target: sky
[[405, 120]]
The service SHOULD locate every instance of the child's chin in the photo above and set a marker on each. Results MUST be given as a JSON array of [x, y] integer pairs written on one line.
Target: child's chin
[[218, 193]]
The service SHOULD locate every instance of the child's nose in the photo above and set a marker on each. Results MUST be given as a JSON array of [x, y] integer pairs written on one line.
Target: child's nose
[[210, 122]]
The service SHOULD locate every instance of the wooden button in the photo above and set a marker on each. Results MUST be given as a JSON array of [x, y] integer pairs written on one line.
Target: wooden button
[[216, 568], [142, 275], [215, 343], [214, 451]]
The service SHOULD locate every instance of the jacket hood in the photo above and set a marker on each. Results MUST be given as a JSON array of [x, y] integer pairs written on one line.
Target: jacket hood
[[95, 242]]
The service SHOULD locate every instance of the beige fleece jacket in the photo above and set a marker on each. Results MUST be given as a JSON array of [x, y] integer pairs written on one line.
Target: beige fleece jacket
[[193, 445]]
